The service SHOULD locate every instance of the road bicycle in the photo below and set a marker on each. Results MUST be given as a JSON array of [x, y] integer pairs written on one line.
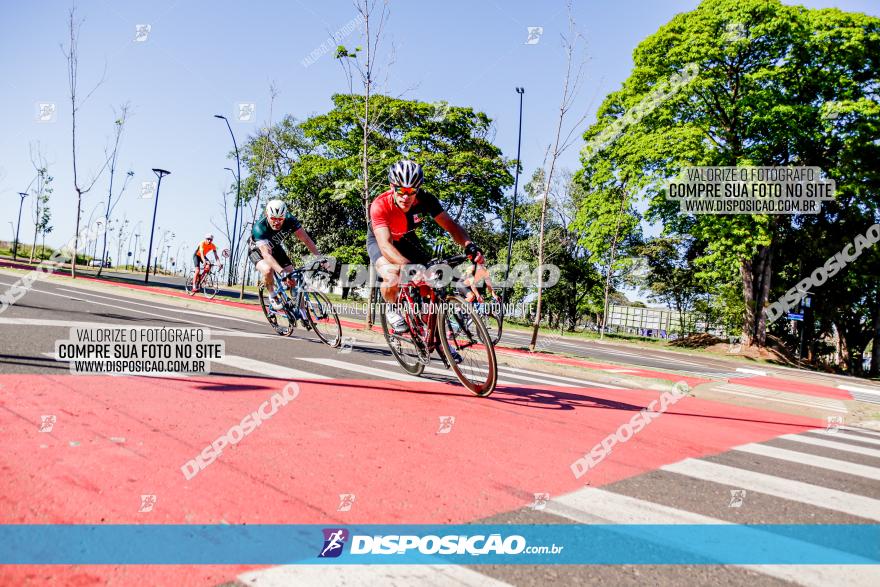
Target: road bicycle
[[207, 280], [300, 302], [447, 324], [492, 315]]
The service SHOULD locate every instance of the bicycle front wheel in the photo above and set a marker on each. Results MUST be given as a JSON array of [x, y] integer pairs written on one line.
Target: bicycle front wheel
[[323, 318], [466, 344], [282, 321], [209, 285], [406, 349]]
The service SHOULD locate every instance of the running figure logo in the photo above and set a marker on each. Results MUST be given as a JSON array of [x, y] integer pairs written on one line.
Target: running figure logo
[[346, 500], [737, 498], [147, 503], [334, 540], [47, 423], [834, 424], [446, 423], [541, 500]]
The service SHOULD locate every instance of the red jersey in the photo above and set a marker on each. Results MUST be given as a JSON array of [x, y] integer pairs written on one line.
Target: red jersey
[[384, 212]]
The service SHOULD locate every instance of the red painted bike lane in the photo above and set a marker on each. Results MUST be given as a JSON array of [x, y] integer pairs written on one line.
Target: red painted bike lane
[[378, 440]]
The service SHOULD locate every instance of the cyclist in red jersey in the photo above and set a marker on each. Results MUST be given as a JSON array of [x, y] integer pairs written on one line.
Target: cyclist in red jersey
[[391, 238]]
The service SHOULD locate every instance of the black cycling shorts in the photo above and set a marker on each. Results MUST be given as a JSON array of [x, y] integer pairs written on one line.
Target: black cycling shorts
[[410, 246], [278, 252]]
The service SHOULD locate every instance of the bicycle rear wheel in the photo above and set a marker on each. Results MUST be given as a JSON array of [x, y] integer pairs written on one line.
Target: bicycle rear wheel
[[406, 348], [462, 330], [282, 321], [323, 317]]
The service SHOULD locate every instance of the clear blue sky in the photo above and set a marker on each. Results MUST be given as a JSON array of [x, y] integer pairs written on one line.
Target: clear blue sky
[[202, 58]]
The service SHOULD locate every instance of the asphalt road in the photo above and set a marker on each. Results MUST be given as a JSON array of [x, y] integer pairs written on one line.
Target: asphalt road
[[361, 426]]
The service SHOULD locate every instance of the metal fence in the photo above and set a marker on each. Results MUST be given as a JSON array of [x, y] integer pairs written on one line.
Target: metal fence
[[657, 322]]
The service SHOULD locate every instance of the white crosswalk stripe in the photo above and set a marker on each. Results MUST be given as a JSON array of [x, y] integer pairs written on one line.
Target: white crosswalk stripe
[[267, 369], [844, 435], [363, 369], [811, 460], [597, 506], [803, 439], [822, 497], [550, 378], [369, 575], [784, 397], [511, 376]]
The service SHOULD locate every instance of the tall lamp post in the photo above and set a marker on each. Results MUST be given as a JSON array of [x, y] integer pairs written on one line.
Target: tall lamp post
[[23, 195], [160, 173], [519, 91], [234, 245]]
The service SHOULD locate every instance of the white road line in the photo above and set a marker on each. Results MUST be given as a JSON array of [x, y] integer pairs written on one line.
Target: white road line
[[854, 505], [504, 376], [870, 452], [873, 433], [188, 321], [363, 369], [597, 506], [579, 382], [842, 435], [164, 308], [67, 324], [855, 389], [267, 369], [784, 397], [751, 371], [811, 460], [369, 575]]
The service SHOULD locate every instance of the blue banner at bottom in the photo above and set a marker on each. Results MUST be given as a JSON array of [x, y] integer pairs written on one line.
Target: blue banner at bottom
[[270, 544]]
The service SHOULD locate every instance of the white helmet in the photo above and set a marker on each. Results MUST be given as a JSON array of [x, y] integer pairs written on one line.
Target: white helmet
[[209, 237], [406, 174], [276, 209]]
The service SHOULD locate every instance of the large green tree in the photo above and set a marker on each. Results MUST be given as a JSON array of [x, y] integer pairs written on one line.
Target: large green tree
[[776, 85], [316, 163]]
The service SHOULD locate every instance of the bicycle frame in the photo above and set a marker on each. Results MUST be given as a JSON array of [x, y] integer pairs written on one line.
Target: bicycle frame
[[432, 295], [295, 294]]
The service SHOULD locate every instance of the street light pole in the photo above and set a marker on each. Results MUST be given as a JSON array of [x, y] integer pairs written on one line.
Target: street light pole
[[23, 195], [234, 244], [160, 173], [519, 91]]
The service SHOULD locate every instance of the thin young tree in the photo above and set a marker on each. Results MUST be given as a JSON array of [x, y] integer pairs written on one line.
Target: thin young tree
[[374, 16], [121, 118], [71, 54], [42, 191], [574, 46]]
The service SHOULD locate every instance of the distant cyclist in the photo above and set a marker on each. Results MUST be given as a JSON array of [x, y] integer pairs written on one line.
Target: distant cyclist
[[475, 285], [266, 249], [391, 238], [201, 256]]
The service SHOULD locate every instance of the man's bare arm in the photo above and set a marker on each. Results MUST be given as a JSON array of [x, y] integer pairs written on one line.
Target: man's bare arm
[[457, 233], [303, 236]]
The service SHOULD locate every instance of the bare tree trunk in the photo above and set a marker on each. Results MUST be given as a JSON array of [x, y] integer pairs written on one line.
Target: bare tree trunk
[[745, 271], [875, 349], [72, 56], [610, 269], [569, 92]]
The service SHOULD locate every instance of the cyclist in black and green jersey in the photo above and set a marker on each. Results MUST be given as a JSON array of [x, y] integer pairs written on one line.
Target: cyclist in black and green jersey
[[265, 246]]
